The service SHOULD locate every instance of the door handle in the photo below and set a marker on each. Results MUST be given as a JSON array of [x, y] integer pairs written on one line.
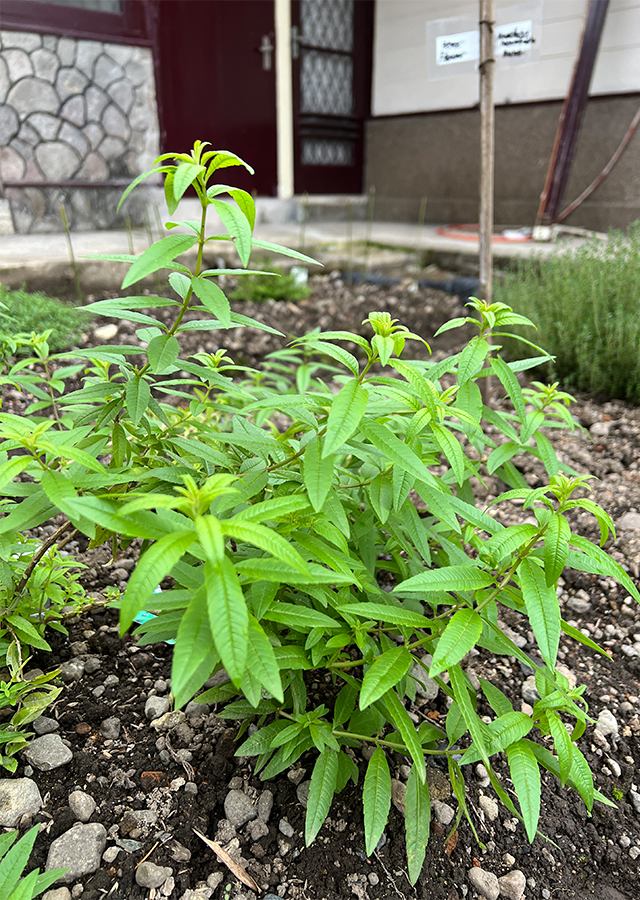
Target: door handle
[[266, 48], [297, 41]]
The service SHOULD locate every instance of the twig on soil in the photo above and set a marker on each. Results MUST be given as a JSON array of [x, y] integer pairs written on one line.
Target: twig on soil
[[389, 875], [157, 844], [188, 768], [239, 871]]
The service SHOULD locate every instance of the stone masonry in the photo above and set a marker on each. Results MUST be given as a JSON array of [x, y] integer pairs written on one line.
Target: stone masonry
[[73, 110]]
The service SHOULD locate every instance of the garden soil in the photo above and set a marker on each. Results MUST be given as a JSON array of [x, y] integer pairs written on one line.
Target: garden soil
[[153, 787]]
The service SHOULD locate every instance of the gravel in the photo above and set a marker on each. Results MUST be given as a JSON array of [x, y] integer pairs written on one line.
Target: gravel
[[18, 797], [47, 753], [79, 850]]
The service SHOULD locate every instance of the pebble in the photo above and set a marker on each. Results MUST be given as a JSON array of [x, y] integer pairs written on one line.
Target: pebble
[[285, 828], [92, 665], [512, 885], [18, 797], [239, 809], [179, 852], [296, 775], [265, 805], [79, 850], [105, 332], [196, 710], [215, 879], [425, 687], [579, 604], [482, 775], [110, 855], [529, 690], [258, 829], [607, 723], [110, 728], [73, 670], [169, 720], [635, 800], [61, 893], [443, 812], [485, 883], [47, 753], [111, 681], [160, 685], [545, 894], [398, 791], [615, 767], [629, 522], [148, 875], [508, 859], [302, 793], [634, 853], [82, 805], [157, 706], [373, 878], [44, 725], [625, 841], [489, 807]]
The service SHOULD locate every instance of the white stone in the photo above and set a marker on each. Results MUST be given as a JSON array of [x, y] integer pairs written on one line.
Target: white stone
[[86, 54], [485, 883], [121, 93], [148, 875], [600, 429], [61, 893], [94, 168], [9, 124], [115, 123], [239, 809], [18, 63], [58, 161], [425, 687], [5, 84], [111, 148], [69, 82], [141, 117], [529, 691], [607, 723], [47, 753], [120, 53], [568, 674], [47, 126], [33, 95], [66, 51], [18, 797], [106, 71], [398, 792], [12, 165], [443, 812], [45, 64], [82, 805], [629, 522], [96, 102], [512, 885], [27, 135], [78, 850], [489, 807], [23, 40], [74, 111]]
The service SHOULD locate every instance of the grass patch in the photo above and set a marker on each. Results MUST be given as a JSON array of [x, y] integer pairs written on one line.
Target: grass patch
[[259, 288], [586, 305], [23, 313]]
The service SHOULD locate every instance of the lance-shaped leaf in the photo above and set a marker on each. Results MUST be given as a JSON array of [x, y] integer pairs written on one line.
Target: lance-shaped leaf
[[451, 449], [162, 351], [137, 395], [345, 414], [214, 298], [317, 473], [451, 578], [563, 745], [238, 227], [525, 775], [387, 670], [408, 731], [460, 635], [376, 799], [543, 609], [471, 358], [184, 175], [300, 618], [266, 539], [294, 254], [321, 791], [556, 548], [399, 453], [159, 256], [194, 654], [510, 384], [228, 616], [261, 660], [417, 821]]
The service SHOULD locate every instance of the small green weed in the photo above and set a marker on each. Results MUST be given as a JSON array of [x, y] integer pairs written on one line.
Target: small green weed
[[260, 287], [14, 860], [586, 305], [22, 313]]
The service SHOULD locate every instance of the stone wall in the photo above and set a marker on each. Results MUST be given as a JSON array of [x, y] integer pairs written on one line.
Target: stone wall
[[73, 110]]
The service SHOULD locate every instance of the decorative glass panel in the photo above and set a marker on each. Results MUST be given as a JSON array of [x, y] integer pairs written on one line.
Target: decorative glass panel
[[326, 83], [108, 6], [328, 23], [326, 152]]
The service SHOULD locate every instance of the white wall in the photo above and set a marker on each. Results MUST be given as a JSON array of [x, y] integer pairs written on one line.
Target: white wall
[[406, 79]]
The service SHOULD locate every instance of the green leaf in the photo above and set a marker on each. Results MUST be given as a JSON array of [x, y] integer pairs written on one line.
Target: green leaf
[[563, 744], [152, 567], [15, 861], [525, 775], [185, 175], [286, 251], [214, 298], [300, 618], [556, 548], [394, 615], [543, 609], [210, 536], [12, 468], [594, 559], [460, 635], [238, 227], [451, 449], [510, 384], [243, 200], [228, 616], [408, 731], [582, 777], [502, 454], [451, 578], [222, 159], [471, 358], [321, 791], [317, 472], [267, 539], [473, 722], [137, 395], [136, 181], [387, 670], [345, 414], [162, 351], [396, 450], [158, 256], [194, 650], [417, 822], [376, 799], [261, 740], [261, 660], [547, 454]]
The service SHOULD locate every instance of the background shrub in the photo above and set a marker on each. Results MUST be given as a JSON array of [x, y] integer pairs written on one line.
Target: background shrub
[[22, 312], [586, 305], [259, 287]]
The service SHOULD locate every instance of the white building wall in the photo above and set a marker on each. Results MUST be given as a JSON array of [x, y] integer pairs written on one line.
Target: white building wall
[[406, 79]]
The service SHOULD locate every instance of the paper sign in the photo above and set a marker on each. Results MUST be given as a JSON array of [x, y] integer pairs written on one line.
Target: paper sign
[[515, 39], [456, 48]]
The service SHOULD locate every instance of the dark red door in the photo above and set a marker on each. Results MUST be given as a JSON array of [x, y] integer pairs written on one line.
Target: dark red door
[[331, 48], [215, 84]]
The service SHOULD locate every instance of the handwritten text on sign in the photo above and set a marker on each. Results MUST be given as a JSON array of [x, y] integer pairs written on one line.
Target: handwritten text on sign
[[511, 40], [514, 40]]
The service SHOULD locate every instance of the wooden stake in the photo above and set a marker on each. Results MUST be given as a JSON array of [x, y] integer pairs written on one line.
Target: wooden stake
[[487, 160]]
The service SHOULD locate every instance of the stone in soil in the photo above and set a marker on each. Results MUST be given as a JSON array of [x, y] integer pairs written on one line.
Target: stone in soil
[[302, 793], [148, 875], [398, 791], [425, 687], [110, 728], [61, 893], [44, 725], [47, 753], [156, 707], [607, 723], [82, 805], [79, 850], [512, 885], [443, 812], [489, 807], [239, 809], [265, 805], [18, 797], [485, 883]]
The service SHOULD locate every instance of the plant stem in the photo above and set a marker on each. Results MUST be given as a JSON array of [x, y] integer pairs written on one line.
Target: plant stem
[[40, 553]]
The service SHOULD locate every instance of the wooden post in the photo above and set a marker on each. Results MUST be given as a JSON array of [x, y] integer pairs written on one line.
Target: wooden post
[[487, 159]]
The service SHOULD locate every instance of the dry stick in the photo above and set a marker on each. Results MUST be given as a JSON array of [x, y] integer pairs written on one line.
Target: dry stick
[[74, 265], [303, 220], [487, 158], [371, 203], [41, 552]]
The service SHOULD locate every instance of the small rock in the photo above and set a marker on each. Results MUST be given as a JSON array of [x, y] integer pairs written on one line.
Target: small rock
[[111, 681], [529, 690], [485, 883], [239, 809], [634, 852], [296, 775], [373, 878], [600, 429], [61, 893], [489, 807], [257, 829], [148, 875], [285, 828], [625, 841], [92, 664], [47, 753], [265, 805], [73, 670], [443, 812], [226, 832], [398, 791], [79, 850], [161, 685], [195, 710], [78, 648], [425, 687], [156, 706], [215, 879], [106, 332], [579, 605], [18, 797], [110, 728], [629, 522], [110, 854], [169, 720], [82, 805], [44, 725], [512, 885], [635, 801], [508, 859], [302, 792], [168, 887], [179, 852], [607, 723]]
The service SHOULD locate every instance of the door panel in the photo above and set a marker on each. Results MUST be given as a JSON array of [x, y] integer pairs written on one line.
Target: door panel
[[213, 83], [331, 48]]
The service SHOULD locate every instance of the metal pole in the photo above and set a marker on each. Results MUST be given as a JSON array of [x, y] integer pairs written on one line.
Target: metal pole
[[487, 148]]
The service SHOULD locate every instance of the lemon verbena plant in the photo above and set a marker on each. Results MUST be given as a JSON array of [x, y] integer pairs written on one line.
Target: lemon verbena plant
[[321, 528]]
